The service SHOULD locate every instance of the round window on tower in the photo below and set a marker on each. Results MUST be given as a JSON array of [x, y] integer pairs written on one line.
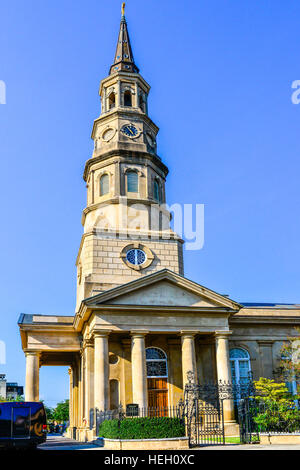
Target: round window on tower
[[137, 256]]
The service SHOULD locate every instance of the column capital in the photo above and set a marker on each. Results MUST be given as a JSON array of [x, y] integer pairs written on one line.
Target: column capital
[[101, 333], [88, 343], [188, 334], [222, 334], [29, 352], [138, 333]]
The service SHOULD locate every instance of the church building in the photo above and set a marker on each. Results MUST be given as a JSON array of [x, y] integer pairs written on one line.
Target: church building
[[140, 325]]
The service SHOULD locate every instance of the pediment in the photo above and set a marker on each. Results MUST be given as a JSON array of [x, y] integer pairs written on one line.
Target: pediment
[[163, 288], [163, 293]]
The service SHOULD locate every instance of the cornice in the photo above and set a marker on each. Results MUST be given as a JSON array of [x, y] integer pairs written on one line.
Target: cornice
[[85, 311], [281, 319], [131, 155], [124, 113], [132, 77]]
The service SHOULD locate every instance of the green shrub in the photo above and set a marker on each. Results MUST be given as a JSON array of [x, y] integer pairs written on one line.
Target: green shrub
[[109, 429], [142, 428]]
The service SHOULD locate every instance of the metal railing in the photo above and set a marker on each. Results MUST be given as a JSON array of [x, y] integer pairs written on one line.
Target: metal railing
[[135, 411]]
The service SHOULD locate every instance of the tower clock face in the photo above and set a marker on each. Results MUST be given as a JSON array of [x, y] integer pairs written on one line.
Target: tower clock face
[[130, 130], [108, 134]]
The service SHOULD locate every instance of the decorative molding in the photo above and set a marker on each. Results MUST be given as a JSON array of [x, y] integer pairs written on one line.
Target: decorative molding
[[138, 246]]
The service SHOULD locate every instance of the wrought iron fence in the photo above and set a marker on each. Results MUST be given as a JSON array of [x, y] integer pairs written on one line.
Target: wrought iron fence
[[221, 390], [256, 416], [134, 411]]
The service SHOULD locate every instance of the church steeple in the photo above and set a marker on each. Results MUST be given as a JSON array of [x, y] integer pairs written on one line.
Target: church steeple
[[124, 60], [126, 223]]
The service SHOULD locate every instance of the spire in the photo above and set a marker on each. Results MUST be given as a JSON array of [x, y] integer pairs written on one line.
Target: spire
[[124, 60]]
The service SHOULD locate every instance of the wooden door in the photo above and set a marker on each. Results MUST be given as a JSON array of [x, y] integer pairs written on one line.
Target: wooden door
[[158, 396]]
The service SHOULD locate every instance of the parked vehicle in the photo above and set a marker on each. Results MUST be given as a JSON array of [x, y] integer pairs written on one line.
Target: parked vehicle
[[22, 424]]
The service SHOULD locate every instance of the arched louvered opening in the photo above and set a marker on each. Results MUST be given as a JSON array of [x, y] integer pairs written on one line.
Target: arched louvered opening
[[127, 98], [104, 185], [132, 182], [111, 101]]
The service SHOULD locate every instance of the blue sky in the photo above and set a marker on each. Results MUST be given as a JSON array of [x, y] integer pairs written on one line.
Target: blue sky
[[221, 74]]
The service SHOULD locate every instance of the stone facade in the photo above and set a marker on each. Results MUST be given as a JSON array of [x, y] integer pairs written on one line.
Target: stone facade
[[132, 296]]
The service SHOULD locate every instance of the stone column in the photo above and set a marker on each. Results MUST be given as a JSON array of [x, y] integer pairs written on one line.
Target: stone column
[[89, 381], [32, 376], [118, 100], [224, 371], [188, 356], [75, 393], [71, 402], [139, 372], [101, 370]]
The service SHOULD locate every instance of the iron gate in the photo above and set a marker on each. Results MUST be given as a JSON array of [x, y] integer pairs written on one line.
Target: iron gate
[[204, 410], [205, 424]]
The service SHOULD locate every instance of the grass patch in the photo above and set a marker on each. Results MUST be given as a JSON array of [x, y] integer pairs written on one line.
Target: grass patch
[[232, 440]]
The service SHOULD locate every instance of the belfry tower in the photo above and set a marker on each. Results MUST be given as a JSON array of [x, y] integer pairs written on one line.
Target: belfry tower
[[126, 225]]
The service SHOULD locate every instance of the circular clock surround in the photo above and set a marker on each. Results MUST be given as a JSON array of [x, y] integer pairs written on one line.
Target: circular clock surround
[[137, 256], [130, 130], [108, 134]]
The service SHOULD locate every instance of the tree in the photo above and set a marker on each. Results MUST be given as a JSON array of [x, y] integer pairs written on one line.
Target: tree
[[18, 398], [275, 407], [61, 412], [271, 392], [49, 413]]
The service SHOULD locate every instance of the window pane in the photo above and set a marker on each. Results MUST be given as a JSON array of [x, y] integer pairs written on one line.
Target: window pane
[[132, 182], [104, 185], [155, 353], [238, 353], [232, 364], [156, 368]]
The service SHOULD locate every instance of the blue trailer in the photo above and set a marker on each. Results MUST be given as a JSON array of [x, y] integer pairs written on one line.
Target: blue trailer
[[22, 424]]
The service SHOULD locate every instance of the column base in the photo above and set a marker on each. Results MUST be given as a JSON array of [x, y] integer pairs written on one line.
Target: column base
[[85, 434], [231, 428]]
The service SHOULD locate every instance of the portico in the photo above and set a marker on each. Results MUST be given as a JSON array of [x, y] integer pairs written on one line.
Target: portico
[[112, 335]]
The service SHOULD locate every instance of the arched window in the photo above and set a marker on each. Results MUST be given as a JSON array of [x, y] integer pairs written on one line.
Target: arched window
[[127, 98], [114, 394], [156, 362], [157, 191], [240, 366], [111, 100], [132, 182], [104, 184]]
